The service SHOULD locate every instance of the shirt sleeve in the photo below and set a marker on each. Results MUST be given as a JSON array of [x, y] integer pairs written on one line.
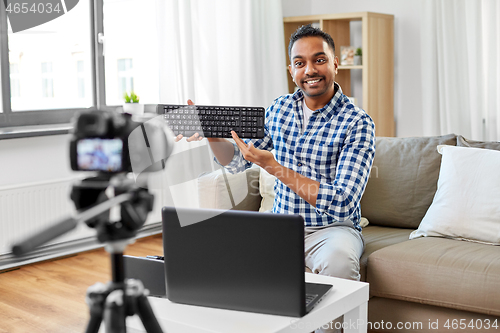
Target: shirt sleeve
[[341, 200], [238, 163]]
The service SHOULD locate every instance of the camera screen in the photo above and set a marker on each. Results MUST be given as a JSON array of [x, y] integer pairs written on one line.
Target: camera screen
[[97, 154]]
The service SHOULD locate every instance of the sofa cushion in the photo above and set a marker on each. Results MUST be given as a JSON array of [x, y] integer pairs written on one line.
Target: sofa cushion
[[467, 202], [377, 238], [438, 271], [418, 318], [403, 180], [215, 190]]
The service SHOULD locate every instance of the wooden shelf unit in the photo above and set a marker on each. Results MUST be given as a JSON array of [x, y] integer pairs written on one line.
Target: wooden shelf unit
[[377, 60]]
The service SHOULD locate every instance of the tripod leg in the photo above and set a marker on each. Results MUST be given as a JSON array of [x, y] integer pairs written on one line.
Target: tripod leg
[[114, 312], [96, 296], [139, 304], [94, 322], [147, 315]]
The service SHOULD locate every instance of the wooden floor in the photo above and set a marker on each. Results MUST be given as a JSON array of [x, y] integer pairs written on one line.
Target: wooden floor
[[50, 296]]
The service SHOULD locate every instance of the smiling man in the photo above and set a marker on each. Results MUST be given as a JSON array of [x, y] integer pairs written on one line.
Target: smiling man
[[313, 66], [323, 146]]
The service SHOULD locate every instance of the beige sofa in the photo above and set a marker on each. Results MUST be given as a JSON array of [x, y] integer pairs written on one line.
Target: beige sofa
[[427, 284]]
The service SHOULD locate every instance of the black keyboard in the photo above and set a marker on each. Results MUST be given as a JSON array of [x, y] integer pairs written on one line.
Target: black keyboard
[[214, 121]]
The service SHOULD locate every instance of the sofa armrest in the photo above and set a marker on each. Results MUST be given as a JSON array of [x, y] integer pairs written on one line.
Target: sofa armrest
[[222, 190]]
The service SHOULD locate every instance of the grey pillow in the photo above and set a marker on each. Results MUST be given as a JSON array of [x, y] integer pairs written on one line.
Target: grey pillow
[[463, 142], [403, 180]]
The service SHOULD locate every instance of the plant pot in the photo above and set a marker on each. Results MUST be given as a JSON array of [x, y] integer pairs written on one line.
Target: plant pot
[[133, 108], [357, 60]]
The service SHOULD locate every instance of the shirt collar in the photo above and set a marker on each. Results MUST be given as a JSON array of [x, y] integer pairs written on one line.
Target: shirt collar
[[329, 110]]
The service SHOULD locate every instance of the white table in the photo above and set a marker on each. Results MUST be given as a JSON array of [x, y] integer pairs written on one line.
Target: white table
[[348, 298]]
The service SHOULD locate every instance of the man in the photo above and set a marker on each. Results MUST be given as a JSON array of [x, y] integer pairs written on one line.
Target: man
[[324, 148]]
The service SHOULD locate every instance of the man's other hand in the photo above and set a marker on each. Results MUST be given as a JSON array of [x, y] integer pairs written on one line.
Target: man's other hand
[[194, 137]]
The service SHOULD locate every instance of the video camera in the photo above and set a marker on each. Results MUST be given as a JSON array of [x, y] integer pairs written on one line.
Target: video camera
[[110, 143]]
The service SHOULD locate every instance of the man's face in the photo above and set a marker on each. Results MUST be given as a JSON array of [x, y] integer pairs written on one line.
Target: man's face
[[313, 67]]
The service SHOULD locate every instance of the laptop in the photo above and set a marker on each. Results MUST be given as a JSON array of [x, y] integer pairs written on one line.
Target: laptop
[[149, 270], [238, 260]]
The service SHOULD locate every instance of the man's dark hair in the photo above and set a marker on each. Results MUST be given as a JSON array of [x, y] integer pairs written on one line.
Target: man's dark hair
[[309, 31]]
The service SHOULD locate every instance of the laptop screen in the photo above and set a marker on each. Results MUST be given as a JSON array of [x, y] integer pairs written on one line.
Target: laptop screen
[[238, 260]]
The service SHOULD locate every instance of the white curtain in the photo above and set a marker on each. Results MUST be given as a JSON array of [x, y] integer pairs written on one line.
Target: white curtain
[[222, 52], [461, 68], [216, 52]]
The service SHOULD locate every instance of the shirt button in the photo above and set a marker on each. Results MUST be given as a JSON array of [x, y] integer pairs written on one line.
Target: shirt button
[[299, 164]]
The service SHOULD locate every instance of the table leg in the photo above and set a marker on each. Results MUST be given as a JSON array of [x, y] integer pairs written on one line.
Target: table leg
[[355, 321]]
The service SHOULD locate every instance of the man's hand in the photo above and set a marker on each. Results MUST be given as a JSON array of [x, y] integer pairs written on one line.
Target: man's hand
[[263, 158], [194, 137], [221, 148]]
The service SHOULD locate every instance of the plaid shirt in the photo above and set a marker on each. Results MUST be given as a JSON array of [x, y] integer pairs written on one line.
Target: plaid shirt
[[336, 150]]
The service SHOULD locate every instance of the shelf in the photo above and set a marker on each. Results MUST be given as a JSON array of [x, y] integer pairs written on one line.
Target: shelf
[[351, 67], [342, 16], [377, 71]]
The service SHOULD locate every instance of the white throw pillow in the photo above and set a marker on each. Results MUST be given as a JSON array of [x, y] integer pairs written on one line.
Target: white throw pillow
[[266, 189], [466, 205]]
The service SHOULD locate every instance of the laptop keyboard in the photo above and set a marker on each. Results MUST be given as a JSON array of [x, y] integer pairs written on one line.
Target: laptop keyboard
[[214, 121], [310, 298], [156, 257]]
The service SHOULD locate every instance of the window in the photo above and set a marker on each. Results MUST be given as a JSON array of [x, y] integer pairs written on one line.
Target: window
[[125, 77], [80, 74], [131, 51], [85, 59], [38, 68], [15, 85], [47, 80], [47, 54]]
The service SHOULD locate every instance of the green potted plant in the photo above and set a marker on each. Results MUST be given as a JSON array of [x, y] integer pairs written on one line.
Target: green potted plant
[[358, 56], [132, 105]]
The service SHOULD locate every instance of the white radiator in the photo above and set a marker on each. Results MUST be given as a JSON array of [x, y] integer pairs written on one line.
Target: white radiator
[[26, 209], [29, 208]]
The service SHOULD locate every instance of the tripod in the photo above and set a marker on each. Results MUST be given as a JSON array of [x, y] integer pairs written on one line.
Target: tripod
[[94, 198], [119, 299]]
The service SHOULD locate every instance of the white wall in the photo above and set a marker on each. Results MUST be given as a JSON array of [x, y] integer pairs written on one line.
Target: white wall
[[407, 62], [45, 158], [37, 159]]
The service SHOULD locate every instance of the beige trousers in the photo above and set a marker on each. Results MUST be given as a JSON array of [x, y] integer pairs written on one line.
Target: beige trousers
[[333, 251]]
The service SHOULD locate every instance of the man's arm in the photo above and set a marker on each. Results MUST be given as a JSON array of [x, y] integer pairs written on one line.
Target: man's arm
[[222, 149], [305, 187], [338, 199]]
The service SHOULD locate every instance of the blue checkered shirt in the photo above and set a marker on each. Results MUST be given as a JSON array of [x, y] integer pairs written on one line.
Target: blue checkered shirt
[[336, 150]]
